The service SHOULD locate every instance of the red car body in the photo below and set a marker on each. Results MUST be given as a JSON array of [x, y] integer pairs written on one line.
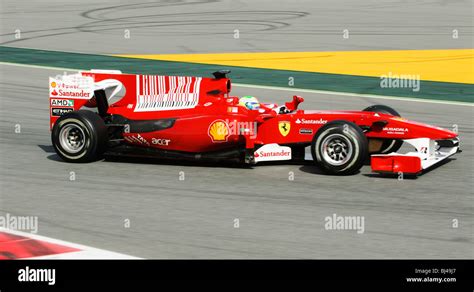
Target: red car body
[[194, 115]]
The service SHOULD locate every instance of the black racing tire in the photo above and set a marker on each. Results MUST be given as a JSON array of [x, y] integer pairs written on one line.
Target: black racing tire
[[79, 136], [388, 145], [339, 147]]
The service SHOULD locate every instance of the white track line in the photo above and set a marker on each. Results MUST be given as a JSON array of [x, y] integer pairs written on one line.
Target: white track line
[[356, 94], [85, 252], [38, 66], [374, 96]]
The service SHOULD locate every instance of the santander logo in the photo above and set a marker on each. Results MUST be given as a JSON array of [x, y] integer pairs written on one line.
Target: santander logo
[[77, 93], [272, 152], [281, 153], [311, 122], [72, 86]]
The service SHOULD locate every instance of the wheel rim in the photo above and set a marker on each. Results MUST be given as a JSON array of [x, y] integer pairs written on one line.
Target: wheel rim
[[336, 149], [72, 138]]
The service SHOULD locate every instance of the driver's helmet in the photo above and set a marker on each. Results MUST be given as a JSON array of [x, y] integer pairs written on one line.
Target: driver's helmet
[[250, 102]]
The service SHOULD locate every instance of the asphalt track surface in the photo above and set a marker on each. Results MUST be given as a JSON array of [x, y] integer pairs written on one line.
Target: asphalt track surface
[[194, 217], [206, 26]]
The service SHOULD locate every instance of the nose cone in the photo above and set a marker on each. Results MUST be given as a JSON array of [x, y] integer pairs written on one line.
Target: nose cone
[[420, 130]]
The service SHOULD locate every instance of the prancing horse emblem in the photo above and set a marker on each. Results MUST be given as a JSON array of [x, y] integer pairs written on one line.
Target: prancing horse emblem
[[284, 128]]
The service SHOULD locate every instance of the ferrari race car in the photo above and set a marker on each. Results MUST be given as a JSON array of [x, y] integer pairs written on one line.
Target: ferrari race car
[[196, 118]]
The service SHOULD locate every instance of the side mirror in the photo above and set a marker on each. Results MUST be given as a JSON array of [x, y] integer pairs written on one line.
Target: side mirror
[[221, 74], [293, 105]]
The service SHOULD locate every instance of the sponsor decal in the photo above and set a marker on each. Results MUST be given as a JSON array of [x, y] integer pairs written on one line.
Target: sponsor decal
[[75, 86], [159, 93], [284, 127], [281, 153], [392, 130], [232, 109], [272, 152], [60, 111], [306, 131], [311, 122], [161, 142], [219, 131], [69, 93], [62, 102], [136, 139]]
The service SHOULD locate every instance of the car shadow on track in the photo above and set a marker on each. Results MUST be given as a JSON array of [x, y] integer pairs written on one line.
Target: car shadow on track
[[306, 166], [141, 160], [313, 169], [55, 157], [161, 161], [47, 148], [221, 164], [156, 161]]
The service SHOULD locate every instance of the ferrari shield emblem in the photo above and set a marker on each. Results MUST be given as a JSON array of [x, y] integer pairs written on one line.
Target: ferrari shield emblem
[[284, 128]]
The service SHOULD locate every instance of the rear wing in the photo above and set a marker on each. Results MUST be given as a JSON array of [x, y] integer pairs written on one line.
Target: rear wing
[[141, 93], [68, 93]]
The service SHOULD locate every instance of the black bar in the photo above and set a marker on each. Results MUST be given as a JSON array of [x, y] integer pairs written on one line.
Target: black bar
[[321, 275]]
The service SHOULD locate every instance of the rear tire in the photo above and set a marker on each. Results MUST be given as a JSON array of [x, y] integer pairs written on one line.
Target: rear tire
[[79, 136], [388, 145], [339, 147]]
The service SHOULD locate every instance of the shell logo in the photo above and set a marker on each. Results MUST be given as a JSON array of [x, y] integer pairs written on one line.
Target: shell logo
[[218, 131], [53, 84]]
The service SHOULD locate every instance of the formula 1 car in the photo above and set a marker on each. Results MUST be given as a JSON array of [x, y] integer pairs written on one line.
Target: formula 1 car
[[196, 118]]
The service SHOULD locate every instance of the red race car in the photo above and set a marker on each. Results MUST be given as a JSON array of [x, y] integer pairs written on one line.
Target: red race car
[[196, 118]]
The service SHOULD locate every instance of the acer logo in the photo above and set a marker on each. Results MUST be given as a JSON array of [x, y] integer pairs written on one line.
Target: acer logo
[[161, 142]]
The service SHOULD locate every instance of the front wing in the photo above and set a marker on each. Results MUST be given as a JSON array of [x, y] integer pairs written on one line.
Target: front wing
[[427, 154]]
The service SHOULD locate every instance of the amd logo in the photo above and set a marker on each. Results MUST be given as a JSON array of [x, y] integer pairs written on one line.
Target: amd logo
[[62, 102]]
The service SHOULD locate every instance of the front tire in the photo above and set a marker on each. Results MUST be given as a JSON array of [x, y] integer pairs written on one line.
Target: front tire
[[79, 136], [339, 147]]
